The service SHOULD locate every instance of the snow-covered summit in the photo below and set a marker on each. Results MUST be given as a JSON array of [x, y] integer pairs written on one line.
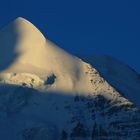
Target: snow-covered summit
[[14, 42], [24, 49]]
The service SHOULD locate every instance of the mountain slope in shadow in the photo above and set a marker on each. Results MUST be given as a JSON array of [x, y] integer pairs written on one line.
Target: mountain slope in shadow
[[28, 114]]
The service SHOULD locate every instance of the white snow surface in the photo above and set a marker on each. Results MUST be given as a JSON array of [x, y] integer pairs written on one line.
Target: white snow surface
[[24, 49]]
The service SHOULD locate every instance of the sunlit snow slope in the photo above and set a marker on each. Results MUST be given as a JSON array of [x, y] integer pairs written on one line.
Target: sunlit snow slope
[[25, 50], [119, 75]]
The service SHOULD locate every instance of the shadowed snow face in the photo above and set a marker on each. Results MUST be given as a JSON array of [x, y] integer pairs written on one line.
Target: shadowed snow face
[[27, 114], [8, 40]]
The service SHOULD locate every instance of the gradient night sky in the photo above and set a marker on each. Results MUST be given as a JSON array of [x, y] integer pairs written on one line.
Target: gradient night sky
[[84, 26]]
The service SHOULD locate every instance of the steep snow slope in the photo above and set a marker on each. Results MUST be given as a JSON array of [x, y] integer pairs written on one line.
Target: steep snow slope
[[48, 94], [32, 53], [119, 75]]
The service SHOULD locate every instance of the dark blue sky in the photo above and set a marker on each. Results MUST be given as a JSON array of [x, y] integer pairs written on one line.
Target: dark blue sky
[[84, 26]]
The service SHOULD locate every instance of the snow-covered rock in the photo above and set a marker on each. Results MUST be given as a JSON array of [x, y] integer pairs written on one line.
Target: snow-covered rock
[[119, 75]]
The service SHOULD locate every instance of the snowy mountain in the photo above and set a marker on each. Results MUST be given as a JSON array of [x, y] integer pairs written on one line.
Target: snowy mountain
[[49, 94]]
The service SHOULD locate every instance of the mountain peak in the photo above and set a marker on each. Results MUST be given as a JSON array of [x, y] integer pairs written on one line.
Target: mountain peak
[[21, 28], [21, 19], [24, 27], [24, 49], [18, 38], [22, 23], [19, 32]]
